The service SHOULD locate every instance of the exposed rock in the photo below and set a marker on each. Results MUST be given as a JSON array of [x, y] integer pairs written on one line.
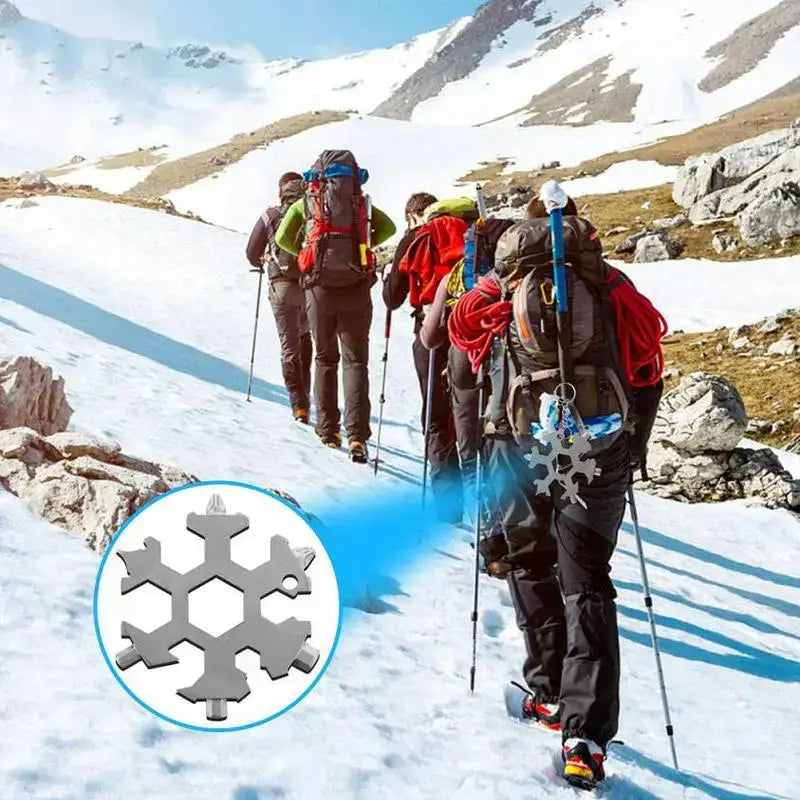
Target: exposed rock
[[616, 231], [670, 223], [738, 332], [628, 246], [741, 343], [77, 160], [36, 180], [693, 455], [76, 481], [657, 247], [20, 203], [724, 243], [770, 326], [710, 172], [9, 14], [794, 445], [705, 412], [31, 397], [773, 216], [756, 182], [758, 427], [80, 483], [785, 346]]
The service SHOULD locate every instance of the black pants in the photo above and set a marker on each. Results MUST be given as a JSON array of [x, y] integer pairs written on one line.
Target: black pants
[[288, 303], [561, 589], [341, 319], [442, 452], [464, 401]]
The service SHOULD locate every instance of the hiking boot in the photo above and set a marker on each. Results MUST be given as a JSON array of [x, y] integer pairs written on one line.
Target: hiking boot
[[358, 452], [301, 416], [332, 440], [583, 763], [546, 715]]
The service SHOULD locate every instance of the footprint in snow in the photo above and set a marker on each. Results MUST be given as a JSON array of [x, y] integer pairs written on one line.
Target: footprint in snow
[[493, 623]]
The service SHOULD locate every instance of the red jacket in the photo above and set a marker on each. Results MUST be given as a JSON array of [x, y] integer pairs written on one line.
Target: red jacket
[[438, 246]]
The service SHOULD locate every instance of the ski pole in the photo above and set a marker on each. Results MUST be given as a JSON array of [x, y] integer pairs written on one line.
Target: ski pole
[[428, 413], [255, 333], [478, 515], [387, 334], [648, 602]]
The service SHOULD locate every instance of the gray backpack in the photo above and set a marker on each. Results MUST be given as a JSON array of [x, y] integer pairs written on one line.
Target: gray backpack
[[336, 249]]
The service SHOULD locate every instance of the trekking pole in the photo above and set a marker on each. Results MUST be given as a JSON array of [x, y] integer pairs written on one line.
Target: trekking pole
[[648, 602], [428, 412], [387, 334], [255, 333], [479, 513]]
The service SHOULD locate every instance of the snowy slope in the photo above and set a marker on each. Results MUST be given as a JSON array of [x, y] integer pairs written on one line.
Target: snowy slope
[[663, 47], [153, 345], [405, 157], [73, 95]]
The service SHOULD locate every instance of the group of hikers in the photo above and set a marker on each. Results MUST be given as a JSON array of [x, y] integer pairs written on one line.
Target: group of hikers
[[539, 369]]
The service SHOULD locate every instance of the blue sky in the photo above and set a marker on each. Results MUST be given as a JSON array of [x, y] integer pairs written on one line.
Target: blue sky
[[278, 28]]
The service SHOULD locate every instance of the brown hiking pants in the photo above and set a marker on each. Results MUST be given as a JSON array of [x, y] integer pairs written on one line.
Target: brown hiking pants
[[340, 321], [288, 302]]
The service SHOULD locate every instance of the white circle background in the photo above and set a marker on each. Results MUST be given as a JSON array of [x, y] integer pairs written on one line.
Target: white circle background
[[148, 607]]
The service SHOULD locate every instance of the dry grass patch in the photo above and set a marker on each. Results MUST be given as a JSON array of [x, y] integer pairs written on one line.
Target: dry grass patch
[[768, 384], [173, 175], [10, 190], [146, 157], [640, 208]]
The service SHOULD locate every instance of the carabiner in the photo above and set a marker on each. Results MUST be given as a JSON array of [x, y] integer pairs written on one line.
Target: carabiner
[[543, 290]]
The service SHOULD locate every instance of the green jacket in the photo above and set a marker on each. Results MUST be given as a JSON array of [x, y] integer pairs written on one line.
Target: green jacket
[[291, 232]]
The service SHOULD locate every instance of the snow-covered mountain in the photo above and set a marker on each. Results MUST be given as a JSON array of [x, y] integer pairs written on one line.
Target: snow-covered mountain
[[63, 95], [581, 61], [516, 62]]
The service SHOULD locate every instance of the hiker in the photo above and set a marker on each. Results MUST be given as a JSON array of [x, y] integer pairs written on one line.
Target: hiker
[[286, 295], [327, 229], [552, 546], [461, 380], [442, 452]]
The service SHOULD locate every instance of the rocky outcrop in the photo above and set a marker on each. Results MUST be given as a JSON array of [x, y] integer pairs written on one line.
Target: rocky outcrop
[[9, 14], [31, 397], [694, 457], [78, 482], [460, 57], [37, 181], [756, 182], [657, 247]]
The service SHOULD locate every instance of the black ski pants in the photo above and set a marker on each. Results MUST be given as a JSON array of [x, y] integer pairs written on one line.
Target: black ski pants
[[288, 302], [560, 586], [340, 320], [442, 453]]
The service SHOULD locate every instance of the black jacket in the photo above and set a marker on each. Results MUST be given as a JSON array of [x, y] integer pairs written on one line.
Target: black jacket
[[396, 285]]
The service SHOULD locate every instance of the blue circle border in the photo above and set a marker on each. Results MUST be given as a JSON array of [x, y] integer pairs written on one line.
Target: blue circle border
[[109, 663]]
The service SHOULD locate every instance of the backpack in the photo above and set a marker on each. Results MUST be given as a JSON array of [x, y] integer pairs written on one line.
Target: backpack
[[524, 267], [461, 207], [279, 264], [336, 248]]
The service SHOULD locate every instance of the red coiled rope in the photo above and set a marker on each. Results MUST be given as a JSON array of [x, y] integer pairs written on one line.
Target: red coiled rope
[[476, 319], [640, 327], [480, 316]]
